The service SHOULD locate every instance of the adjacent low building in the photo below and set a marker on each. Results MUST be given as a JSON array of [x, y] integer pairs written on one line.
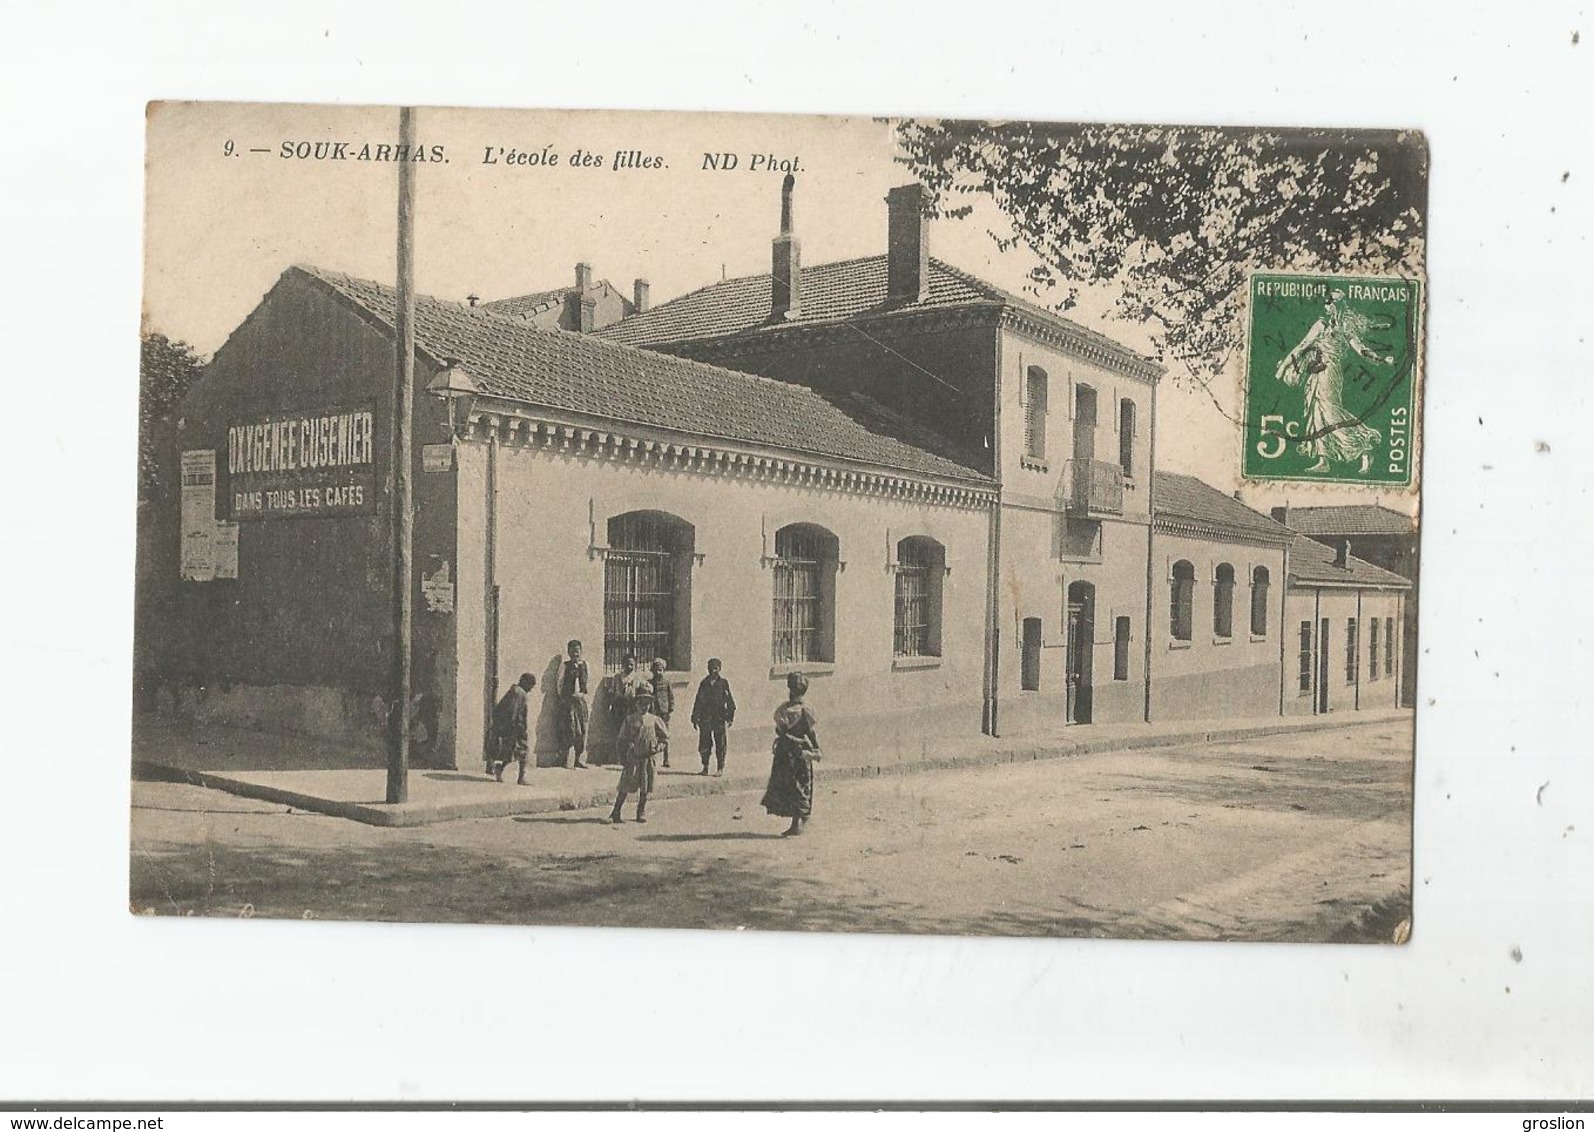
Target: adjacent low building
[[1345, 620], [1382, 537]]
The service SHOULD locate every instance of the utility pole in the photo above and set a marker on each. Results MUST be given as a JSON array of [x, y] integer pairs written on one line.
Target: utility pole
[[398, 759]]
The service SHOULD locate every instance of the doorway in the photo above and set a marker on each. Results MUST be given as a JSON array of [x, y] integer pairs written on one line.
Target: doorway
[[1322, 667], [1081, 636], [1030, 660], [1084, 423]]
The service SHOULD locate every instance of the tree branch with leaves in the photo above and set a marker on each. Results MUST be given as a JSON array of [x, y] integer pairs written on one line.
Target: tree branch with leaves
[[1174, 219]]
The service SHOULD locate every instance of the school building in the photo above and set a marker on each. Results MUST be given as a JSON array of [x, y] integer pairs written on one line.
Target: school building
[[936, 499]]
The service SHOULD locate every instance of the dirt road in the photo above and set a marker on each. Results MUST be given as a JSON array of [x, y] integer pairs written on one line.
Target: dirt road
[[1281, 838]]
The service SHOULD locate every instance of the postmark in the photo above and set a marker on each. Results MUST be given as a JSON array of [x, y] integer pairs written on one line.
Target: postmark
[[1332, 365]]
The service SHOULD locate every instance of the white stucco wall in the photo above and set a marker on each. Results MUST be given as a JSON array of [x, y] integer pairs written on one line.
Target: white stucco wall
[[553, 507]]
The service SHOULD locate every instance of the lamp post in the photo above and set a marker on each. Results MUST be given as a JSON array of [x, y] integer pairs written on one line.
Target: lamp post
[[454, 387]]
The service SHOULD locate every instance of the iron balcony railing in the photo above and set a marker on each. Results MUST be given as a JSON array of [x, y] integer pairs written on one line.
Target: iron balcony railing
[[1093, 487]]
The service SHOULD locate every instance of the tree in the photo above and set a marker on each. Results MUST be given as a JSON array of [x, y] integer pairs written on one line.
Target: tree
[[166, 371], [1176, 218]]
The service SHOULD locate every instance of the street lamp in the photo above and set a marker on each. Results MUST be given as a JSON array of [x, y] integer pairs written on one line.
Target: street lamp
[[453, 385]]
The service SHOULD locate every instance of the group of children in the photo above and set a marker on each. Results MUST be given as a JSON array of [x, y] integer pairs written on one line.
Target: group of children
[[642, 706]]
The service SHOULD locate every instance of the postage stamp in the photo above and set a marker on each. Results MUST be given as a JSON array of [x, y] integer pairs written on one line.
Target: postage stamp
[[1331, 376]]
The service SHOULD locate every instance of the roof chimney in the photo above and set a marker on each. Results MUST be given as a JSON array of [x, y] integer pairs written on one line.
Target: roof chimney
[[639, 295], [1342, 555], [907, 248], [473, 298], [581, 309], [785, 272], [583, 277]]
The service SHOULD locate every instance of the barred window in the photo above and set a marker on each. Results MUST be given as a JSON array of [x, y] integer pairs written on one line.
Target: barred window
[[1372, 649], [920, 569], [1223, 601], [1306, 658], [1350, 651], [1181, 601], [804, 603], [1035, 413], [1259, 588], [646, 578]]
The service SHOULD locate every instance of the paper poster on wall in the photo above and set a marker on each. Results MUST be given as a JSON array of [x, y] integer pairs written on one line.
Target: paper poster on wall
[[196, 557], [224, 549]]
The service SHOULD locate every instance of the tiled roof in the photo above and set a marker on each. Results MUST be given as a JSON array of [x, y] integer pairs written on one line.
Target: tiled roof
[[578, 373], [831, 292], [523, 306], [1311, 561], [518, 306], [1185, 499], [1353, 519]]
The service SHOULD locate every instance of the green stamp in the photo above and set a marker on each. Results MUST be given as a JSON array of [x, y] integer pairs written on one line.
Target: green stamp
[[1331, 368]]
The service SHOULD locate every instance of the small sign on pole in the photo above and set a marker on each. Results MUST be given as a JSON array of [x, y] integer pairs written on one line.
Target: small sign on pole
[[437, 457]]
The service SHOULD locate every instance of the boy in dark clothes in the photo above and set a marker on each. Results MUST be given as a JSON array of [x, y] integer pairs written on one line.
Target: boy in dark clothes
[[510, 718], [712, 714]]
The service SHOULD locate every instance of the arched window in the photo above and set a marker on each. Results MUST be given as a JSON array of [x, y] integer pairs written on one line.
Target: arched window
[[805, 595], [1223, 601], [1259, 581], [647, 589], [1035, 413], [1126, 437], [920, 570], [1181, 620]]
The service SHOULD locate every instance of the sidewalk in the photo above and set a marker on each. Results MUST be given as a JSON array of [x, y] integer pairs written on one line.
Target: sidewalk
[[303, 773]]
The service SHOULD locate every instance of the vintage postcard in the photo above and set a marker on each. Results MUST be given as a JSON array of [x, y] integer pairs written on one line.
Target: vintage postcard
[[729, 521]]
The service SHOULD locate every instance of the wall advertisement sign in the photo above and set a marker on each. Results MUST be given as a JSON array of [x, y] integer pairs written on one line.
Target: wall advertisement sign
[[313, 463]]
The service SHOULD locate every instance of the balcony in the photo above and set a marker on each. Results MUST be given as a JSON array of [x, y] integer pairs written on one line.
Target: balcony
[[1092, 488]]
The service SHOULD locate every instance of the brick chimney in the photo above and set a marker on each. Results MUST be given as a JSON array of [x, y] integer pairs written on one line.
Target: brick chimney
[[581, 310], [639, 295], [907, 245], [583, 277], [1342, 555], [785, 271]]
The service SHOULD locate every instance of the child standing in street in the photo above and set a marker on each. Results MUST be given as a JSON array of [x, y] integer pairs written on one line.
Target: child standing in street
[[511, 737], [573, 707], [641, 736], [712, 714], [663, 700]]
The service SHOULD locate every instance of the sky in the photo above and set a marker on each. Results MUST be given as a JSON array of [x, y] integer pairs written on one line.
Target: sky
[[226, 213]]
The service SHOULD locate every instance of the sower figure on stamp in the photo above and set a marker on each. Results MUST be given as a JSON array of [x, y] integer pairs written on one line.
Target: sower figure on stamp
[[663, 700], [713, 712], [573, 707], [641, 737], [1320, 360], [790, 793], [511, 719]]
